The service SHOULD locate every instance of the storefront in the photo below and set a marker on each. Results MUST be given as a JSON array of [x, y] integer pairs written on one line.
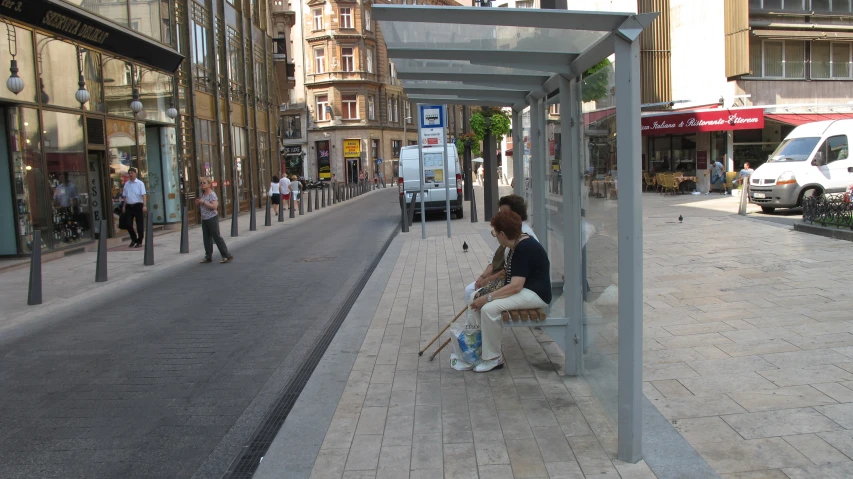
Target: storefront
[[292, 160], [689, 142], [352, 157], [86, 102]]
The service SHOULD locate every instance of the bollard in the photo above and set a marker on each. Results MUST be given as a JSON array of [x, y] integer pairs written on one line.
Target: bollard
[[281, 210], [253, 221], [323, 203], [412, 208], [309, 201], [34, 295], [316, 200], [301, 204], [235, 211], [149, 240], [333, 193], [403, 212], [292, 213], [473, 209], [268, 213], [185, 231], [101, 266]]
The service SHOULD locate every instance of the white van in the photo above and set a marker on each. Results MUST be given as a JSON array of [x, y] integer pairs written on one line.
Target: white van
[[434, 177], [812, 160]]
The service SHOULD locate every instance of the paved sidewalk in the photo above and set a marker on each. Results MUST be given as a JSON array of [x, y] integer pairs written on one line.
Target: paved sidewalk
[[70, 280], [748, 353]]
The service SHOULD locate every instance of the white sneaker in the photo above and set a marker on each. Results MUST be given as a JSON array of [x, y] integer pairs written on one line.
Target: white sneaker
[[488, 365], [459, 364]]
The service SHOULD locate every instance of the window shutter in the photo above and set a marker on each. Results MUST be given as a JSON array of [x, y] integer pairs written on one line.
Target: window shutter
[[737, 38]]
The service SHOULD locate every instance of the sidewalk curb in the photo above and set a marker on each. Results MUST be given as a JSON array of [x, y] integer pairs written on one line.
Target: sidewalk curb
[[825, 231], [39, 316]]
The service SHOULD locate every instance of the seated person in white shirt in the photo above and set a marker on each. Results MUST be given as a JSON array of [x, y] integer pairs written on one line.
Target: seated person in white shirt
[[517, 205]]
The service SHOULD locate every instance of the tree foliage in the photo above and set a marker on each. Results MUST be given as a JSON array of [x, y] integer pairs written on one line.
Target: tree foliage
[[468, 139], [596, 81], [500, 124]]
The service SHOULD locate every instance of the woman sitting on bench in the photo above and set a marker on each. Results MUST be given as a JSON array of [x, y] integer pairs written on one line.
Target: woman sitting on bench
[[528, 286]]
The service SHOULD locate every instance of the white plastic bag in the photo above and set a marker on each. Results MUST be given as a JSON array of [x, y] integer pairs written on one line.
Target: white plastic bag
[[467, 340], [459, 364]]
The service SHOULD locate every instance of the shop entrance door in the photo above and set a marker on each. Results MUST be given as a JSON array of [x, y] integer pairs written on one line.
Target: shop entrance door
[[95, 193]]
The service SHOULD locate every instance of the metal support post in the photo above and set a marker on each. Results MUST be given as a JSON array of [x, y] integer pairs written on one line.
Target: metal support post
[[292, 212], [301, 203], [630, 249], [571, 124], [34, 294], [309, 202], [316, 200], [421, 179], [518, 152], [412, 209], [323, 203], [101, 266], [253, 221], [445, 163], [466, 160], [185, 230], [537, 180], [403, 212], [149, 239], [473, 208]]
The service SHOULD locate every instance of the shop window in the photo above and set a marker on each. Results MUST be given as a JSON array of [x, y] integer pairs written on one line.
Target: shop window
[[349, 105], [319, 60], [348, 59], [322, 112], [158, 93], [117, 87], [346, 17], [777, 58], [234, 62], [31, 195], [318, 19]]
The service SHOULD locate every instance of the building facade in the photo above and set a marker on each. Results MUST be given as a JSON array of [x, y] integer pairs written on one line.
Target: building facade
[[346, 113], [174, 88]]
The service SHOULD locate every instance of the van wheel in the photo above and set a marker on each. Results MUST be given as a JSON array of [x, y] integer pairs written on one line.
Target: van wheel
[[809, 192], [768, 209], [460, 213]]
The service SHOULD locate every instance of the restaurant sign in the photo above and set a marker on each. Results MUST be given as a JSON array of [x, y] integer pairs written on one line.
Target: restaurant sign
[[712, 120]]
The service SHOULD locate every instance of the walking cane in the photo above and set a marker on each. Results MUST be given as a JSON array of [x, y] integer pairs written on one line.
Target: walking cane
[[421, 352], [439, 349]]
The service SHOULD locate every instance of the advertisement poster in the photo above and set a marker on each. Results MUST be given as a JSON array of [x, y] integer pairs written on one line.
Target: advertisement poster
[[324, 165], [701, 160], [352, 148]]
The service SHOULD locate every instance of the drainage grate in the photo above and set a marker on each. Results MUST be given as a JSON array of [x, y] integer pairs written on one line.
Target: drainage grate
[[245, 465]]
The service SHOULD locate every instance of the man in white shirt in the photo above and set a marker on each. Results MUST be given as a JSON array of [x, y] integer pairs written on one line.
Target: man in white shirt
[[515, 204], [135, 197], [284, 185]]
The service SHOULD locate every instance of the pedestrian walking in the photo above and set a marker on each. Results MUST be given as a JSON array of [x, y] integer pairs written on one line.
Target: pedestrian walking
[[718, 177], [284, 187], [295, 188], [135, 197], [275, 193], [480, 172], [360, 177], [208, 203]]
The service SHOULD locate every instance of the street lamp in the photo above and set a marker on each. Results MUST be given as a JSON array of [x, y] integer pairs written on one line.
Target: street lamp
[[82, 95], [172, 112], [14, 84]]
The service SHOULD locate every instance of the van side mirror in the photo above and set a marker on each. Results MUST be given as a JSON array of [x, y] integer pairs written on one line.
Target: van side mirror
[[818, 159]]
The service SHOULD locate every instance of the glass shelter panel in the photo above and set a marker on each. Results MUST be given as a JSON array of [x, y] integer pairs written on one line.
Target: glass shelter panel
[[599, 205]]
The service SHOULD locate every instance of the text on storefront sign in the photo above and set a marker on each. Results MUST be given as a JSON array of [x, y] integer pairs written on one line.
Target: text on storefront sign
[[723, 120]]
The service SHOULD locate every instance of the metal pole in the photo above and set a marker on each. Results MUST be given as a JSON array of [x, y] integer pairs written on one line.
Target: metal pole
[[235, 211], [292, 213], [466, 159], [518, 152], [570, 126], [34, 294], [301, 203], [185, 230], [630, 250], [149, 240], [268, 213], [323, 203], [280, 209], [101, 267], [444, 161], [412, 208], [309, 201], [403, 211], [744, 196], [421, 169], [316, 200], [253, 221], [473, 208]]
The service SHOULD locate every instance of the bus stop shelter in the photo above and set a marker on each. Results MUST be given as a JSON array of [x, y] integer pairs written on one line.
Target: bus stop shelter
[[525, 59]]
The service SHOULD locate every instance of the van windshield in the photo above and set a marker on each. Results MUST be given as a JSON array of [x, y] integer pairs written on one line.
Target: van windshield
[[794, 149]]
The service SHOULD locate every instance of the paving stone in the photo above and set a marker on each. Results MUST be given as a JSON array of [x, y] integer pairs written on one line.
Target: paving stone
[[705, 429], [781, 398], [783, 422], [698, 406], [750, 455], [824, 471], [816, 449]]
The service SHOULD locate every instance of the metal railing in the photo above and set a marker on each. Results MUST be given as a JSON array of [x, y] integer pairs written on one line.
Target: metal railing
[[828, 210]]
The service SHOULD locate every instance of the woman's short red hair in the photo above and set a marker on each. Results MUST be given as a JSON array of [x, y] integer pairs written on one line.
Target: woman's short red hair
[[508, 223]]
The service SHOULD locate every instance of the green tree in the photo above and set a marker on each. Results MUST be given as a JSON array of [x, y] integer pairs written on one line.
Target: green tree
[[596, 81]]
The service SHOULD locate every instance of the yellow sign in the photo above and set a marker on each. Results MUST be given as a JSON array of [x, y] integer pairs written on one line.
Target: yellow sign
[[352, 148]]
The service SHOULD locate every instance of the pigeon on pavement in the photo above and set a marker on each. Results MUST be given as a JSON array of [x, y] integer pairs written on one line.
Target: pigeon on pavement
[[465, 246], [680, 218]]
